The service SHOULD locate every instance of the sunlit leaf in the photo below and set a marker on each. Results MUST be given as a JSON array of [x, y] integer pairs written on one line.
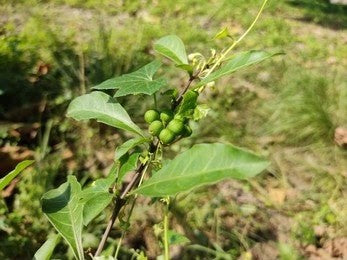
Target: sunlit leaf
[[105, 109], [63, 209], [11, 175], [46, 250], [172, 47], [138, 82], [222, 34], [239, 61], [200, 165]]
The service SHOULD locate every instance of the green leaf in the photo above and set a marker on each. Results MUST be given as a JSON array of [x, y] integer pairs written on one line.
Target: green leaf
[[176, 238], [188, 104], [97, 197], [172, 47], [46, 250], [222, 34], [138, 82], [239, 61], [200, 165], [128, 145], [11, 175], [64, 210], [105, 109], [129, 164]]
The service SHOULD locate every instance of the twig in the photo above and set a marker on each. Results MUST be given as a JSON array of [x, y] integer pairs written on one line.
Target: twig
[[218, 62], [166, 229], [180, 96], [120, 202], [131, 211]]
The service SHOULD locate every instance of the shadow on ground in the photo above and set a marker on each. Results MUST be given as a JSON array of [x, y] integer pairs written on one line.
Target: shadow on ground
[[322, 12]]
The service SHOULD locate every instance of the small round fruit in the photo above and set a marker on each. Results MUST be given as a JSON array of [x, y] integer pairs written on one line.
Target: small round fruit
[[176, 126], [166, 136], [187, 131], [166, 116], [151, 115], [155, 127]]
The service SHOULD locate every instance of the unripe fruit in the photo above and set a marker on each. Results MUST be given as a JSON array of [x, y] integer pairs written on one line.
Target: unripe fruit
[[151, 115], [155, 127], [187, 131], [166, 116], [166, 136], [176, 126]]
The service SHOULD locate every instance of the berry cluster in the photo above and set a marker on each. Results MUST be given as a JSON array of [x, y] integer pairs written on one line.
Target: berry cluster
[[166, 125]]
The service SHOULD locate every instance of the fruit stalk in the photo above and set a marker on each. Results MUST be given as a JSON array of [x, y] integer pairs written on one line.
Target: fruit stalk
[[180, 96]]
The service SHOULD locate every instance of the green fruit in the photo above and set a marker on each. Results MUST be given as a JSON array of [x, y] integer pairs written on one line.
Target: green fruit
[[151, 115], [176, 126], [187, 131], [166, 136], [166, 116], [155, 127]]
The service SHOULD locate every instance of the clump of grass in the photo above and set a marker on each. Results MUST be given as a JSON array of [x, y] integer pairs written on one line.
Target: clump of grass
[[303, 110]]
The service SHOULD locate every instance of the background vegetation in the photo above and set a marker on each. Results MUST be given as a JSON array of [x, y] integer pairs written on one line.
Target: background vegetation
[[287, 109]]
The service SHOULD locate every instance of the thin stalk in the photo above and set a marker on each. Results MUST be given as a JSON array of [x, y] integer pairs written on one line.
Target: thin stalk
[[180, 96], [123, 232], [120, 202], [166, 229], [119, 244], [155, 101], [130, 212], [217, 63]]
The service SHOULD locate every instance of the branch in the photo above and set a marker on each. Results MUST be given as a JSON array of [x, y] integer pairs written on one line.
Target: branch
[[180, 96], [119, 204], [121, 201]]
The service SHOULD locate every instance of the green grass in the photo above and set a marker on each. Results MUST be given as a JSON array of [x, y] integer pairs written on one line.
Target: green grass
[[286, 108]]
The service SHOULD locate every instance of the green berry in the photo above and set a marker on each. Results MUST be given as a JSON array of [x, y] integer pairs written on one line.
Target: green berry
[[176, 126], [166, 136], [166, 116], [151, 115], [187, 131], [155, 127]]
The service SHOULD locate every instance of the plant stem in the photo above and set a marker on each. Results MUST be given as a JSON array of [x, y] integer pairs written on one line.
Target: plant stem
[[123, 233], [118, 246], [155, 101], [217, 63], [131, 211], [120, 202], [166, 229], [180, 96]]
